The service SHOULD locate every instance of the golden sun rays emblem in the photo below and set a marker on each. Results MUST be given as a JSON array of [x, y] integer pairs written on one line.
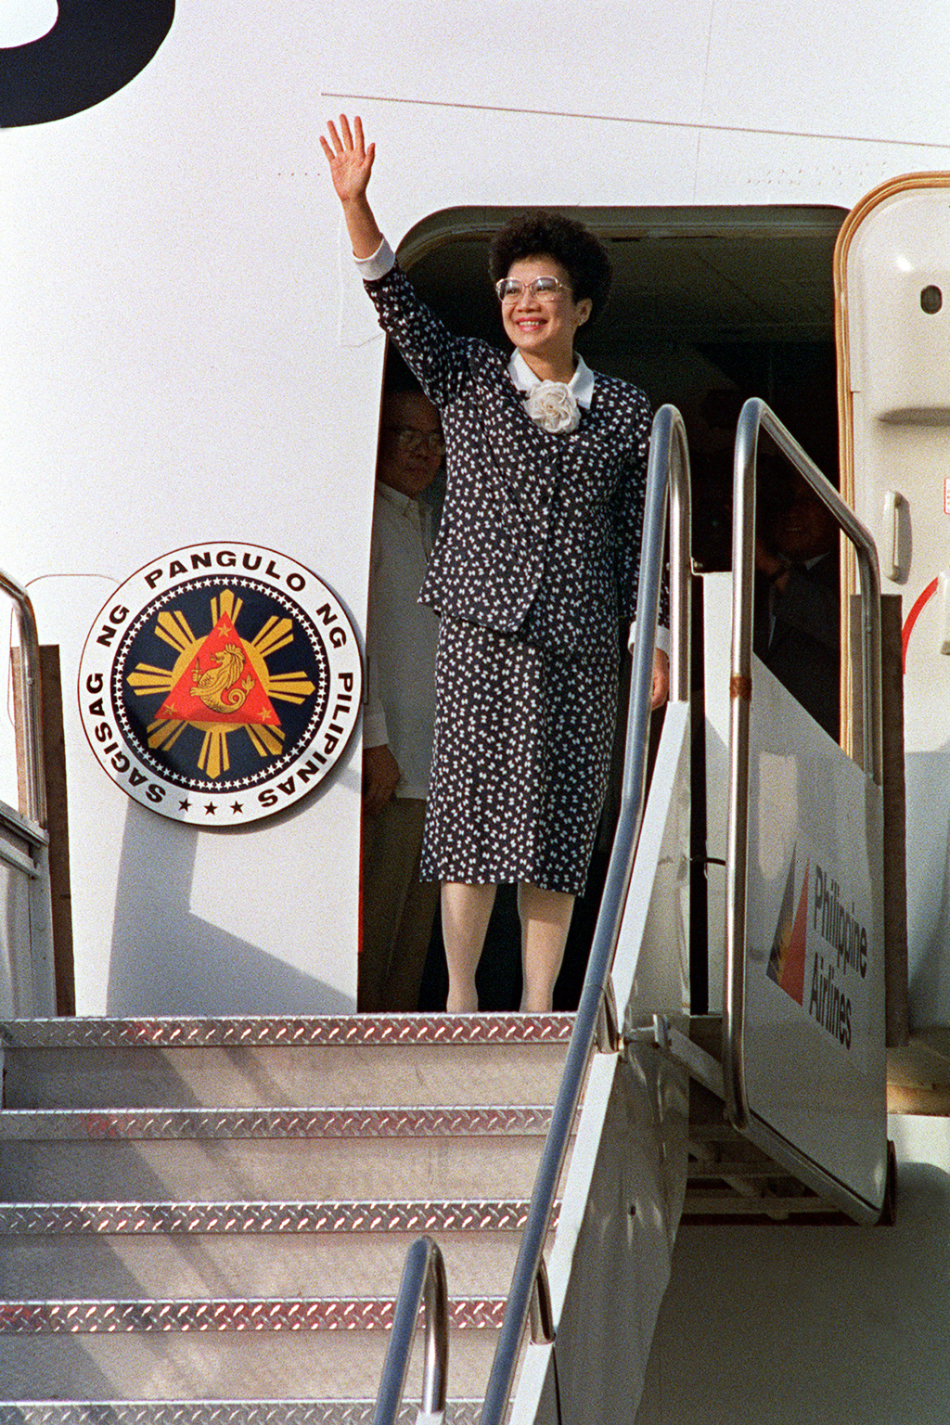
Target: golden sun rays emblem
[[220, 684]]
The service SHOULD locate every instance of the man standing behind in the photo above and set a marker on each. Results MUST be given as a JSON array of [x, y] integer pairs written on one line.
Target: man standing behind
[[399, 716], [797, 633]]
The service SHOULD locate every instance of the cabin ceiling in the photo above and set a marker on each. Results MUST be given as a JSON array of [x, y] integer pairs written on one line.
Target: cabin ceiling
[[705, 302], [689, 275]]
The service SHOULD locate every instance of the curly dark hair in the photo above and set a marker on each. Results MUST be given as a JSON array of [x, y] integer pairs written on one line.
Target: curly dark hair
[[575, 247]]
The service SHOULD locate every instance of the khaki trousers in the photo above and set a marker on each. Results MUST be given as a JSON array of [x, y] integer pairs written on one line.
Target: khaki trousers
[[397, 909]]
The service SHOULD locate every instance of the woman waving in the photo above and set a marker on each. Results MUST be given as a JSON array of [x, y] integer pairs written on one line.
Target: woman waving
[[535, 563]]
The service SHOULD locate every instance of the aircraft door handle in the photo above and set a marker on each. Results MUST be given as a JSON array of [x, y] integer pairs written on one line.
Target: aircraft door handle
[[894, 507]]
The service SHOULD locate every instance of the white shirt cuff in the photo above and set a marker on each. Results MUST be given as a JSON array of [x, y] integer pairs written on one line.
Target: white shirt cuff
[[383, 260], [662, 637], [375, 732]]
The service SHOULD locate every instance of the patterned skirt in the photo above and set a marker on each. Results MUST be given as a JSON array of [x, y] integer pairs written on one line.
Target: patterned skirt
[[520, 762]]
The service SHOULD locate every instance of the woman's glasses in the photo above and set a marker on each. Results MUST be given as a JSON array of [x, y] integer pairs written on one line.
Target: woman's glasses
[[544, 289]]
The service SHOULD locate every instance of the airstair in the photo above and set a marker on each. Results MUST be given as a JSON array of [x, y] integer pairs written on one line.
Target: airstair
[[206, 1221], [198, 1211]]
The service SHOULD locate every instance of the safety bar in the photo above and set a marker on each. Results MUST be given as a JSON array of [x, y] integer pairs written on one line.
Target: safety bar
[[33, 779], [667, 475], [756, 416], [423, 1278]]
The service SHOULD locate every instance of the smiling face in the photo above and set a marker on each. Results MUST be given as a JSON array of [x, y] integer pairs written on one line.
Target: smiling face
[[543, 329]]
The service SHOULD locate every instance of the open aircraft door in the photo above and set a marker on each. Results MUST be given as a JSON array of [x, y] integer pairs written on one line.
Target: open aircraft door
[[892, 278]]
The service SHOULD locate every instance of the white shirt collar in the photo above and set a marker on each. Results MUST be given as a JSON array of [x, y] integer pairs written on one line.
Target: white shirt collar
[[395, 497], [581, 384]]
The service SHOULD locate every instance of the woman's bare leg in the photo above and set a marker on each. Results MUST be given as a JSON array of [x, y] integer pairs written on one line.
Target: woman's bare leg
[[466, 911], [545, 921]]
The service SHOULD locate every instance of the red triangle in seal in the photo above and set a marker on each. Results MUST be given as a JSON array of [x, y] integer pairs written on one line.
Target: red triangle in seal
[[220, 685]]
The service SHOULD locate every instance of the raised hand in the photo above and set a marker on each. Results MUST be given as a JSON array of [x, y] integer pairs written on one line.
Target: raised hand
[[351, 162]]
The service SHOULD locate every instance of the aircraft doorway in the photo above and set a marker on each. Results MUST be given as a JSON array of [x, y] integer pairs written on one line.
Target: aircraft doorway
[[708, 306]]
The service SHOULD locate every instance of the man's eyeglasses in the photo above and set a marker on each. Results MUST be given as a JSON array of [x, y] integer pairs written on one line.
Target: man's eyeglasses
[[407, 438], [544, 289]]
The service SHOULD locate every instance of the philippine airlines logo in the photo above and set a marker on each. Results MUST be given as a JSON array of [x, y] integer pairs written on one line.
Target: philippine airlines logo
[[826, 978], [787, 960], [220, 684]]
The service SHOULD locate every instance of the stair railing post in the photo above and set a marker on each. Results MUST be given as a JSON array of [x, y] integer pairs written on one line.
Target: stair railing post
[[34, 782], [36, 994], [756, 416], [423, 1279]]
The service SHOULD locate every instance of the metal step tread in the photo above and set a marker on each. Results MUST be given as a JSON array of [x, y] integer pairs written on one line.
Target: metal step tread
[[389, 1121], [274, 1030], [219, 1412], [284, 1076], [400, 1168], [729, 1178], [97, 1219], [299, 1314], [773, 1205]]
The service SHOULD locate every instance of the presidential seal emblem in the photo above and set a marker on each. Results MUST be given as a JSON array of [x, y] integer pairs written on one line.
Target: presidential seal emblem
[[220, 684]]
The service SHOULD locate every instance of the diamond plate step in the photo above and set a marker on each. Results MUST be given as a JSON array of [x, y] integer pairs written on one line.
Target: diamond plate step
[[224, 1412], [340, 1031], [211, 1365], [138, 1064], [85, 1317], [362, 1076], [482, 1263], [496, 1166], [386, 1121], [42, 1219], [253, 1249]]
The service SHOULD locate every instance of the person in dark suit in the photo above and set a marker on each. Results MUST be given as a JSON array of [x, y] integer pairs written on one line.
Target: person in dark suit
[[536, 560], [797, 609]]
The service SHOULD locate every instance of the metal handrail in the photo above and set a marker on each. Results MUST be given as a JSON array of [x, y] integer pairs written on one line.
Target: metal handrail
[[423, 1278], [666, 475], [34, 781], [756, 416]]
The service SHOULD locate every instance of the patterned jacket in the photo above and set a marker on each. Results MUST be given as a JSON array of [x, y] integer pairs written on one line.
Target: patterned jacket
[[540, 532]]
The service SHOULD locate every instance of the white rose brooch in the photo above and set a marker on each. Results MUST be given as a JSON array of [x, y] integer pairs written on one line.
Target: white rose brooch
[[554, 407]]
